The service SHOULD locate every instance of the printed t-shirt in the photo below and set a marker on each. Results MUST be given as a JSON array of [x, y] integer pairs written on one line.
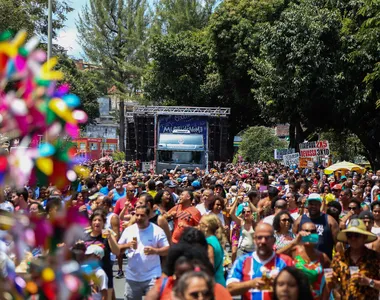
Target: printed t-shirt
[[188, 217], [250, 266]]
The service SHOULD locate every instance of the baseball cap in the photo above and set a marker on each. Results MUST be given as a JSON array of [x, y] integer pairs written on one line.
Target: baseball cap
[[314, 197], [343, 177], [159, 182], [196, 184], [94, 196], [170, 183], [366, 215], [95, 249]]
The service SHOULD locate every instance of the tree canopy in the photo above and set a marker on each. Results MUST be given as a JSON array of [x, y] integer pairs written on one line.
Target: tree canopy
[[86, 84], [312, 64], [258, 144], [114, 34], [32, 16]]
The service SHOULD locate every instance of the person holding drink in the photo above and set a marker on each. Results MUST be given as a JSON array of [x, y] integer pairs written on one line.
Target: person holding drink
[[144, 242], [98, 235], [355, 273], [252, 274], [308, 259]]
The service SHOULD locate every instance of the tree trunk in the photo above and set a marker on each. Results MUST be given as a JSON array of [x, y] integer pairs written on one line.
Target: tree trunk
[[122, 126], [372, 148], [292, 136]]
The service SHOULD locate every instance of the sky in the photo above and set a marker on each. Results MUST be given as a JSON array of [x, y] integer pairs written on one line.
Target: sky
[[67, 37]]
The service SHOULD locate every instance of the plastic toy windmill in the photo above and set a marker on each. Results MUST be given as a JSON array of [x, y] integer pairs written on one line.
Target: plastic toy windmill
[[32, 105]]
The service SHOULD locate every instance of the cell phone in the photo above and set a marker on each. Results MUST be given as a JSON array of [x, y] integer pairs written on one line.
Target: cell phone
[[311, 238]]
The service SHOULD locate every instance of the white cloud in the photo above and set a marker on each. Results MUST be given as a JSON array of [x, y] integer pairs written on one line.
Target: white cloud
[[67, 38]]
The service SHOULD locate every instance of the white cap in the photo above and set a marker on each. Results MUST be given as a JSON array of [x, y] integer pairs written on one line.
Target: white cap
[[95, 249]]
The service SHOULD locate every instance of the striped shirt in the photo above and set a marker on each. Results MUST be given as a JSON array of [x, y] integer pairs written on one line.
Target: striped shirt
[[250, 266]]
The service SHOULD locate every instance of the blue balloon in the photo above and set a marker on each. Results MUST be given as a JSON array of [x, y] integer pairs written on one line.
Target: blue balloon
[[71, 100], [46, 150]]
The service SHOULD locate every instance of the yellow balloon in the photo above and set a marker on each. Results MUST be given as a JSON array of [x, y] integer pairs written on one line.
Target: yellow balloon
[[47, 73], [60, 108], [20, 38], [48, 274], [82, 171], [45, 165]]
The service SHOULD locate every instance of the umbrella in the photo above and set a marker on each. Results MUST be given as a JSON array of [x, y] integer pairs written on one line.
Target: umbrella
[[344, 165]]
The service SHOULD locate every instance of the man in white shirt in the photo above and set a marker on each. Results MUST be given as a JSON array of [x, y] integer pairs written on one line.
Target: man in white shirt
[[207, 199], [145, 242]]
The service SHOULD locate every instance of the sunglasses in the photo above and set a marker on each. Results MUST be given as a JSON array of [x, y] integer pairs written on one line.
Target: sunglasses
[[353, 235], [285, 220], [198, 294], [352, 208]]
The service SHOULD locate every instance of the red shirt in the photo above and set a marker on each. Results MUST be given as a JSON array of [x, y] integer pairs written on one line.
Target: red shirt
[[121, 203], [184, 218]]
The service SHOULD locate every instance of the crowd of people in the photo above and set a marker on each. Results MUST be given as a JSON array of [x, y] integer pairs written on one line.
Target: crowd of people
[[259, 231]]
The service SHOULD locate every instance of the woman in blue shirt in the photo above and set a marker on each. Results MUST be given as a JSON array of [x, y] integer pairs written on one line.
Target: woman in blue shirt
[[212, 228]]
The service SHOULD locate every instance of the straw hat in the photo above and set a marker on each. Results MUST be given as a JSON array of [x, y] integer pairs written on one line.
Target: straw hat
[[356, 226]]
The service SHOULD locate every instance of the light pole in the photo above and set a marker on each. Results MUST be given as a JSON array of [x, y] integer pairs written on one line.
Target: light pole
[[49, 42], [50, 28]]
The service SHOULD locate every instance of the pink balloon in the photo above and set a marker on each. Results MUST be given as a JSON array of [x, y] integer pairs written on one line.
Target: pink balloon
[[72, 130]]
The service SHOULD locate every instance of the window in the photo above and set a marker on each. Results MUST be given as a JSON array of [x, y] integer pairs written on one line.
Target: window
[[94, 146], [82, 146], [180, 157], [112, 147]]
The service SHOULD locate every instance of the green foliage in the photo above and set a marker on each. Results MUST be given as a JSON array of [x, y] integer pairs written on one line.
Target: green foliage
[[258, 144], [297, 68], [175, 16], [343, 145], [118, 156], [178, 70], [85, 84], [114, 34], [32, 15]]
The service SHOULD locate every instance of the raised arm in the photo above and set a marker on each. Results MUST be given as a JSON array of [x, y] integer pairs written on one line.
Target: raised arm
[[232, 213]]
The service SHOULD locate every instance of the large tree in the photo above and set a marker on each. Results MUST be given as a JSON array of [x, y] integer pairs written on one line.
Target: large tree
[[32, 15], [114, 34], [297, 68], [175, 16], [210, 67], [86, 84], [258, 144], [314, 72]]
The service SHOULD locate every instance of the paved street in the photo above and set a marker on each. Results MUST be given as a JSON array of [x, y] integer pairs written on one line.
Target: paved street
[[118, 283]]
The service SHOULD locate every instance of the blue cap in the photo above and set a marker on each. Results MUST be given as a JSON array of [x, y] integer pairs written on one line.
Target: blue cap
[[196, 184]]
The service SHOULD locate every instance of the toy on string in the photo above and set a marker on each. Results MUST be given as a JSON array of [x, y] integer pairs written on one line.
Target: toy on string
[[34, 108]]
